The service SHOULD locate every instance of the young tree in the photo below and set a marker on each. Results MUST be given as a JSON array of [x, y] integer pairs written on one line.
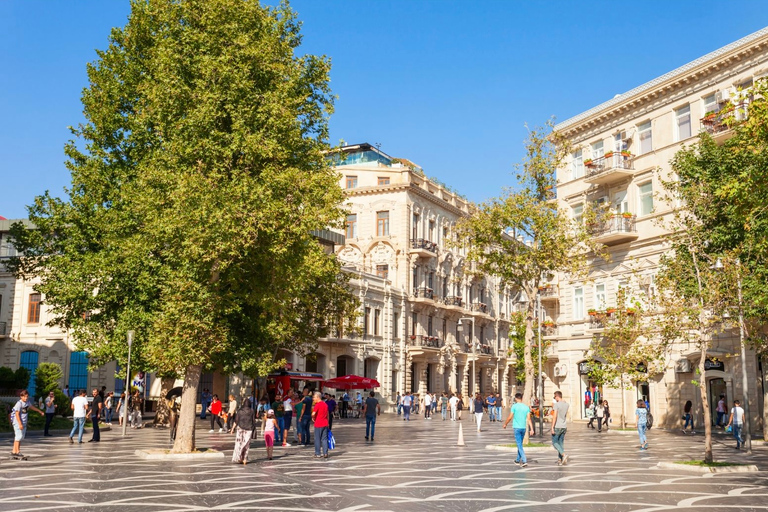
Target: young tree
[[523, 234], [47, 378], [199, 175]]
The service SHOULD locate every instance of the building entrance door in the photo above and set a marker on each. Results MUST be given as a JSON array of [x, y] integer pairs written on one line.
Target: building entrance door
[[717, 387]]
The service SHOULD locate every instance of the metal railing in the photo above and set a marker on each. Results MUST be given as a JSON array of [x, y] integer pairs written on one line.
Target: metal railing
[[549, 330], [723, 120], [606, 163], [423, 293], [422, 340], [421, 243], [611, 224], [453, 300], [548, 291], [486, 349], [479, 307]]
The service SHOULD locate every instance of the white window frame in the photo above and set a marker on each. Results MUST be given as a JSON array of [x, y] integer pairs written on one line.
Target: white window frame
[[578, 303], [680, 118], [620, 201], [709, 106], [642, 129], [641, 195], [577, 168], [578, 213], [598, 149], [600, 296]]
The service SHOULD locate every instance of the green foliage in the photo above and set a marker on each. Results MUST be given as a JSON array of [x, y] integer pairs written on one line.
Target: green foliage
[[21, 378], [47, 378], [7, 378], [517, 337], [62, 402]]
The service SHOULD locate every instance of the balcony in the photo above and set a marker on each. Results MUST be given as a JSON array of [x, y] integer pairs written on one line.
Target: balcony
[[548, 330], [549, 293], [479, 307], [422, 340], [486, 350], [453, 301], [423, 294], [719, 124], [2, 329], [424, 248], [609, 168], [614, 229]]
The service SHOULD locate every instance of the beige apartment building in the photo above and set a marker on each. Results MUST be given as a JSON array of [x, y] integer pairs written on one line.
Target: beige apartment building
[[414, 288], [622, 147]]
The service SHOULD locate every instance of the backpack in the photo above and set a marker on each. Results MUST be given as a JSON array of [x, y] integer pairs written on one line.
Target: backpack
[[648, 420]]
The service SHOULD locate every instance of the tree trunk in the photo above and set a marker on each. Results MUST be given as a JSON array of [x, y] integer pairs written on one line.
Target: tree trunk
[[705, 406], [527, 353], [623, 409], [163, 413], [185, 432], [765, 398]]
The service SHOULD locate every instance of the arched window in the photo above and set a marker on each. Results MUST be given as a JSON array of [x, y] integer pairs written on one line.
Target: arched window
[[78, 372], [29, 361]]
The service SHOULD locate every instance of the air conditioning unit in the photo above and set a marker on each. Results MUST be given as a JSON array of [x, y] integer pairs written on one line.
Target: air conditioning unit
[[561, 370], [683, 366], [603, 201]]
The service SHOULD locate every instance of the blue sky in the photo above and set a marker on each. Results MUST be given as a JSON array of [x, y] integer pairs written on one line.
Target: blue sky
[[448, 85]]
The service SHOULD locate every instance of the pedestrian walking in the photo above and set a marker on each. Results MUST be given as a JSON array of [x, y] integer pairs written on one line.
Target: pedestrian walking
[[320, 416], [331, 410], [444, 405], [721, 408], [95, 409], [109, 403], [231, 411], [398, 400], [490, 402], [79, 407], [499, 406], [205, 402], [606, 415], [736, 421], [134, 410], [345, 405], [215, 410], [454, 403], [121, 404], [591, 415], [427, 405], [641, 415], [559, 427], [434, 404], [244, 421], [459, 406], [270, 427], [477, 407], [287, 417], [688, 418], [279, 409], [306, 416], [520, 416], [600, 415], [19, 416], [50, 412], [371, 408], [407, 401]]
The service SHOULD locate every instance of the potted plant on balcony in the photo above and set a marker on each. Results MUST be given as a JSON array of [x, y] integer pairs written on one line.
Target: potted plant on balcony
[[709, 116], [631, 311], [413, 336], [588, 162], [608, 154], [610, 311], [626, 154], [626, 215], [548, 324], [592, 312]]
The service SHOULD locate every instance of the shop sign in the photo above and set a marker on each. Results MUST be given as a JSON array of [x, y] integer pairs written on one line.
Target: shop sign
[[712, 364]]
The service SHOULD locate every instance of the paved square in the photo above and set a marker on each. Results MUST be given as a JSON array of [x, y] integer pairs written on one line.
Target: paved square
[[412, 466]]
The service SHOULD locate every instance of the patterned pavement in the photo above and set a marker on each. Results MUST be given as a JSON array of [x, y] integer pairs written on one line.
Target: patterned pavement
[[413, 466]]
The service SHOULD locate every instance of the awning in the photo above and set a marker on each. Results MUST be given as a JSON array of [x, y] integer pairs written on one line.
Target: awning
[[297, 375]]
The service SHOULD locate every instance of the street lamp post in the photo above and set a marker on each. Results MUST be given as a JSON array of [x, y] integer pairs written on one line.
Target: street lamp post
[[472, 320], [540, 394], [127, 384]]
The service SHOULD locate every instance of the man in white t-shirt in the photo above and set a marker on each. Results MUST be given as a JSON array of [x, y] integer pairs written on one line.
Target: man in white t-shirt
[[453, 402], [79, 406], [737, 421], [407, 400], [427, 405]]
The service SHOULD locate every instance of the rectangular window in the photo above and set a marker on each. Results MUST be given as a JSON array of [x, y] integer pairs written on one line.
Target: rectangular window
[[395, 325], [431, 231], [646, 198], [578, 165], [597, 149], [415, 277], [33, 315], [445, 330], [646, 138], [383, 180], [600, 296], [367, 321], [351, 182], [429, 326], [578, 213], [683, 122], [414, 321], [578, 303], [620, 202], [709, 105], [351, 231], [415, 227], [382, 271], [431, 280], [376, 321], [382, 223]]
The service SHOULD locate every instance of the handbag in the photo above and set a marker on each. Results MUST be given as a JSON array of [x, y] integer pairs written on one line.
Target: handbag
[[729, 429], [331, 441]]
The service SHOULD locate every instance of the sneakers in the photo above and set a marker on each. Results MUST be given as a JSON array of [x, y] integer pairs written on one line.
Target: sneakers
[[371, 439], [211, 431], [565, 460], [517, 461], [559, 462], [524, 465], [286, 444], [366, 438], [221, 430]]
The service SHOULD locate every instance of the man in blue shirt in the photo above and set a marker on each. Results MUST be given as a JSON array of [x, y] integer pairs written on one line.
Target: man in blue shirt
[[520, 416], [491, 401]]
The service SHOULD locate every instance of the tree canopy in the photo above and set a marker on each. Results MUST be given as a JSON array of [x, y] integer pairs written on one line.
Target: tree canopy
[[197, 177]]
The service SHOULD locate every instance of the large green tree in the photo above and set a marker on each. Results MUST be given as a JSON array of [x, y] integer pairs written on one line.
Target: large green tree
[[523, 234], [197, 177]]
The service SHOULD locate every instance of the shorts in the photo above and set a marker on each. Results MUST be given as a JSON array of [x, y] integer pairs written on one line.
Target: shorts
[[269, 438], [19, 433]]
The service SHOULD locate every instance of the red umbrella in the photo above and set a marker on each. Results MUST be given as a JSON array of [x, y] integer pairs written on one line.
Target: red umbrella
[[351, 382]]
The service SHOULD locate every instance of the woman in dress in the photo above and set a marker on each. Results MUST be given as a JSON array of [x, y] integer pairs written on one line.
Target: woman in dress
[[459, 406], [641, 414], [121, 409], [269, 432], [244, 421]]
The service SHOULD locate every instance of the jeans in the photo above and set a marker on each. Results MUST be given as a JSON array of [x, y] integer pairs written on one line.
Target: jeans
[[204, 409], [48, 420], [519, 437], [600, 421], [321, 440], [370, 424], [108, 415], [641, 432], [444, 412], [689, 420], [96, 433], [407, 412], [78, 427], [305, 429], [399, 409], [498, 412], [281, 427], [720, 417], [558, 438], [737, 434], [427, 411]]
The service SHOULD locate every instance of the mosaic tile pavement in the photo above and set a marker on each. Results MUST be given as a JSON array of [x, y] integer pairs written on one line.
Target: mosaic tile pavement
[[412, 466]]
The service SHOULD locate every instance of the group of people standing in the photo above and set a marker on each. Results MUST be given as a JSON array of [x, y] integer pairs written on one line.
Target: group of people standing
[[450, 405]]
